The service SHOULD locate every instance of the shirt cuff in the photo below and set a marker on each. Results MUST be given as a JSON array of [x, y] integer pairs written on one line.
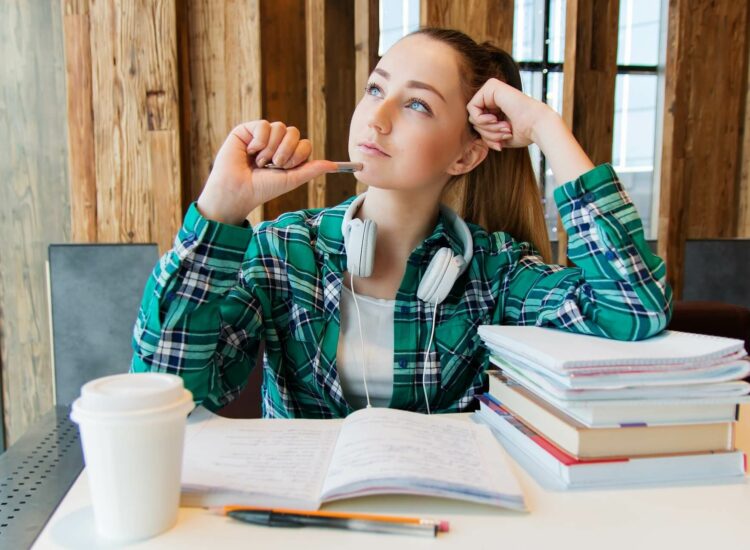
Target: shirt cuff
[[212, 242], [599, 190]]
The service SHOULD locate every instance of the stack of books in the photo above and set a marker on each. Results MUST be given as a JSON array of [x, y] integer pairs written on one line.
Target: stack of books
[[597, 412]]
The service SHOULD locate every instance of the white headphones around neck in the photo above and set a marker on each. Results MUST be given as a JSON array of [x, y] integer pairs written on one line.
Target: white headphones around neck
[[444, 269]]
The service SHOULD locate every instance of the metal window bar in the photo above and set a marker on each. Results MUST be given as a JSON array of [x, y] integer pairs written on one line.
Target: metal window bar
[[545, 67]]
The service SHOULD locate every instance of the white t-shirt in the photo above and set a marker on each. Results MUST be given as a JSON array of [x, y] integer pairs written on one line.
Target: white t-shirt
[[377, 329]]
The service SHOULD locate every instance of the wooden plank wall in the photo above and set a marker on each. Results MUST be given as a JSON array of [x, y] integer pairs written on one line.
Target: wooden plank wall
[[34, 200], [481, 19], [331, 97], [284, 88], [220, 82], [704, 167], [136, 121], [589, 72], [743, 219]]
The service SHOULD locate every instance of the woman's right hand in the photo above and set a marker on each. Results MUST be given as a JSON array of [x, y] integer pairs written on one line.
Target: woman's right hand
[[238, 184]]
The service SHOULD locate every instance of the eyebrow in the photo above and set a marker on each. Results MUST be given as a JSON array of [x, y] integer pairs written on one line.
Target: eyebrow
[[411, 83]]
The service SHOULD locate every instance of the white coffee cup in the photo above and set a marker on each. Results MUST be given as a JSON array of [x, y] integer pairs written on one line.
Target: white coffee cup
[[132, 431]]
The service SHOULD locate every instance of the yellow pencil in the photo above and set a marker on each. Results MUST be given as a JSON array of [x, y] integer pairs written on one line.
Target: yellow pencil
[[442, 525]]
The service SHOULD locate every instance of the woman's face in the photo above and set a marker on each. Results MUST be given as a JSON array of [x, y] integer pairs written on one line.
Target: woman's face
[[414, 111]]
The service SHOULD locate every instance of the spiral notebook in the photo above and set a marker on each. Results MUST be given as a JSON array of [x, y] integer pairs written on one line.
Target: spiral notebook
[[563, 351]]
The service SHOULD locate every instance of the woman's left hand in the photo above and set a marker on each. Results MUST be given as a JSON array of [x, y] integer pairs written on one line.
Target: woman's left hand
[[505, 116]]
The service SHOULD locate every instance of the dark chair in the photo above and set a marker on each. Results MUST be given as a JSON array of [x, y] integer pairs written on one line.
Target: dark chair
[[248, 403], [94, 294], [714, 318], [716, 270]]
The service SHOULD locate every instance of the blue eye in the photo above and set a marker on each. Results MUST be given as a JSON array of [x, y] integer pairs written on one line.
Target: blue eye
[[414, 100], [370, 86]]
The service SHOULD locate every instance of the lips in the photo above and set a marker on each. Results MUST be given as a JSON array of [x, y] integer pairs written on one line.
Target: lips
[[373, 147]]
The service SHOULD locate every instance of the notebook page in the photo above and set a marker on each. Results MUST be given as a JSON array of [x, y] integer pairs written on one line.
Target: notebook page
[[561, 350], [383, 450], [256, 461]]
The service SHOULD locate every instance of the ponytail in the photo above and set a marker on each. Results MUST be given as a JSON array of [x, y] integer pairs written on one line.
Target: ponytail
[[501, 193]]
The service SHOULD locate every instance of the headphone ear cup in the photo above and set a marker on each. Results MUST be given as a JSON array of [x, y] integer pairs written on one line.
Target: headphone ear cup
[[360, 247], [439, 278]]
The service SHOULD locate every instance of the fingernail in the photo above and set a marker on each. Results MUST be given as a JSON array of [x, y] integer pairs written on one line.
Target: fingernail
[[260, 161]]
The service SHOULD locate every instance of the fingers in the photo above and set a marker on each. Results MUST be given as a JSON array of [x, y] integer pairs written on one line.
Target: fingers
[[495, 133], [268, 141], [482, 100], [301, 154], [287, 147], [498, 128], [276, 134], [259, 133]]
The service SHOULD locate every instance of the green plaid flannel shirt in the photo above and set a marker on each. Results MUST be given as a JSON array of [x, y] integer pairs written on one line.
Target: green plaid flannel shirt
[[222, 289]]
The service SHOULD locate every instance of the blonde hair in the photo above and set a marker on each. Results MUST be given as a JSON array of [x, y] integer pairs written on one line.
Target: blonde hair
[[501, 193]]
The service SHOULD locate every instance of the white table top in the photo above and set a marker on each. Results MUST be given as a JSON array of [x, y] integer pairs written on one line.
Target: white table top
[[707, 516]]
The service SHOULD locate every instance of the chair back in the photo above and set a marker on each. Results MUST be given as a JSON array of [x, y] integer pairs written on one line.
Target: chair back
[[717, 270], [94, 295]]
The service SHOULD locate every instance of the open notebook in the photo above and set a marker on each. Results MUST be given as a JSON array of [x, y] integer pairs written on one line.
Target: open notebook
[[302, 463]]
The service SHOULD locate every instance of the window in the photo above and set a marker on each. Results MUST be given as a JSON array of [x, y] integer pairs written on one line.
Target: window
[[638, 105], [397, 19], [539, 46]]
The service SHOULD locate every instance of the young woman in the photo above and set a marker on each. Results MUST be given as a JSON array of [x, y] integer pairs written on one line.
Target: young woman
[[347, 323]]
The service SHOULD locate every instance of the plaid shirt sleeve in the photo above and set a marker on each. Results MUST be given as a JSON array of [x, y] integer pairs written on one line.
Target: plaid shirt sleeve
[[199, 318], [618, 289]]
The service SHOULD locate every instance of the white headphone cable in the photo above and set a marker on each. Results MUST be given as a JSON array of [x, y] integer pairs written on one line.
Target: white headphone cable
[[362, 340], [427, 353]]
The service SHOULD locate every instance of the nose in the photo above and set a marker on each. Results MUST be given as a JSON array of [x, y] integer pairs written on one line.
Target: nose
[[379, 119]]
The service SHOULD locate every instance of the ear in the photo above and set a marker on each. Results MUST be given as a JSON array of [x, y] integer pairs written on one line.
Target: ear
[[474, 153]]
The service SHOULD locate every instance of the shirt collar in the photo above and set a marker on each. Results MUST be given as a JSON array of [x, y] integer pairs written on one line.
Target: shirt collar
[[330, 240]]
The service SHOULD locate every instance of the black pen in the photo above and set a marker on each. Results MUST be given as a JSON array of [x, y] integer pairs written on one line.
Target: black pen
[[276, 519]]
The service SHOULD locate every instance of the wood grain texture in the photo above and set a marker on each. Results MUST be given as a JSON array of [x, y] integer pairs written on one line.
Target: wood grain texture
[[715, 106], [34, 200], [672, 211], [589, 73], [330, 94], [284, 84], [340, 79], [366, 39], [490, 20], [743, 215], [135, 92], [80, 120], [705, 92], [221, 80], [315, 19]]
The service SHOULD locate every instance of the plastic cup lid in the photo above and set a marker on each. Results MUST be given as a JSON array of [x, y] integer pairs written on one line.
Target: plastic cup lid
[[132, 392]]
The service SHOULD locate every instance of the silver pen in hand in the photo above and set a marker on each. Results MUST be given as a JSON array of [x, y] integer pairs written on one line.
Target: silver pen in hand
[[343, 167]]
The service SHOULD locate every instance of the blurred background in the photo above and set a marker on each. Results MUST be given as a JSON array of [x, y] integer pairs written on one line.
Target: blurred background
[[111, 113]]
